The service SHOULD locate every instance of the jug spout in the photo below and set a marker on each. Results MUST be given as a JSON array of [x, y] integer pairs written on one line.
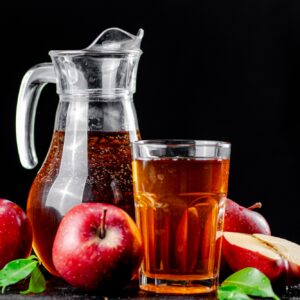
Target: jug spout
[[117, 40], [107, 66]]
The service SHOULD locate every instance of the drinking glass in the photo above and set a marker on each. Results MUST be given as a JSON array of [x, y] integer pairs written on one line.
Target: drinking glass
[[179, 192]]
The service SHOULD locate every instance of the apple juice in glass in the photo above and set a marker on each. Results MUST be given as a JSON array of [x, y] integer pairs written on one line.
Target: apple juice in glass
[[179, 192]]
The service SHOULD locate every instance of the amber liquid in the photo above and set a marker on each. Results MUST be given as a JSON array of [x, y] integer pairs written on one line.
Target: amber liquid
[[179, 210], [109, 180]]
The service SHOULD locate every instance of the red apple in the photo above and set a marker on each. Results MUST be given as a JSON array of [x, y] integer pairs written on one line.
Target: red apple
[[241, 219], [97, 247], [15, 232], [244, 250]]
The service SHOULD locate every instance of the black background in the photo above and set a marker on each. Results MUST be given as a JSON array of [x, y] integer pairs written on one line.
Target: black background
[[225, 70]]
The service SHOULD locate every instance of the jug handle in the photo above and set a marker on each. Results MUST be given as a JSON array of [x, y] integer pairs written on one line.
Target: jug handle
[[32, 84]]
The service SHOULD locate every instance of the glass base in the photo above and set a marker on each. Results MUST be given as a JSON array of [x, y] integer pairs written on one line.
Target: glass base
[[167, 286]]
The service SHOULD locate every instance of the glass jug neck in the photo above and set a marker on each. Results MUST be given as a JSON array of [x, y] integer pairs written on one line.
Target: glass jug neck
[[82, 72], [94, 112], [97, 96]]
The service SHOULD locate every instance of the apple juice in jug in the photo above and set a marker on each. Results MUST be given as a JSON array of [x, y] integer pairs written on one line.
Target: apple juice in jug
[[109, 180], [89, 159]]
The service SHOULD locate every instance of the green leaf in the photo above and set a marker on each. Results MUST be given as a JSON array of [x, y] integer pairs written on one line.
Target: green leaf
[[229, 292], [252, 282], [37, 283], [32, 257], [16, 270]]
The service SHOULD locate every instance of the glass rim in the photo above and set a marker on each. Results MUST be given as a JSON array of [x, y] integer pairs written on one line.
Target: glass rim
[[174, 143], [89, 52]]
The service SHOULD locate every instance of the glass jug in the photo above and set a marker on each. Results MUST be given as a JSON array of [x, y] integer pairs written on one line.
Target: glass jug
[[89, 159]]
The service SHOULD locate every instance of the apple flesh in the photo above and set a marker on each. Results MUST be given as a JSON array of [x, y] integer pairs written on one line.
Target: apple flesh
[[97, 247], [289, 251], [276, 257], [15, 232], [241, 219]]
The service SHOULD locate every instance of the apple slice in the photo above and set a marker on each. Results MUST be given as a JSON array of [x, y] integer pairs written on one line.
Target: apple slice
[[288, 250], [244, 250], [187, 240]]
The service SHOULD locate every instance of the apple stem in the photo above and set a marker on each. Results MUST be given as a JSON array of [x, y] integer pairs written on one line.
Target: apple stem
[[102, 231], [255, 206]]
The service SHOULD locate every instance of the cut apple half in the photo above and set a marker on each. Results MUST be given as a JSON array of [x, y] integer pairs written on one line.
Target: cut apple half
[[244, 250], [288, 250]]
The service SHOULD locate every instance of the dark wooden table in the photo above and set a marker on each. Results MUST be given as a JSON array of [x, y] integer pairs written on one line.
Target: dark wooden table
[[58, 289]]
